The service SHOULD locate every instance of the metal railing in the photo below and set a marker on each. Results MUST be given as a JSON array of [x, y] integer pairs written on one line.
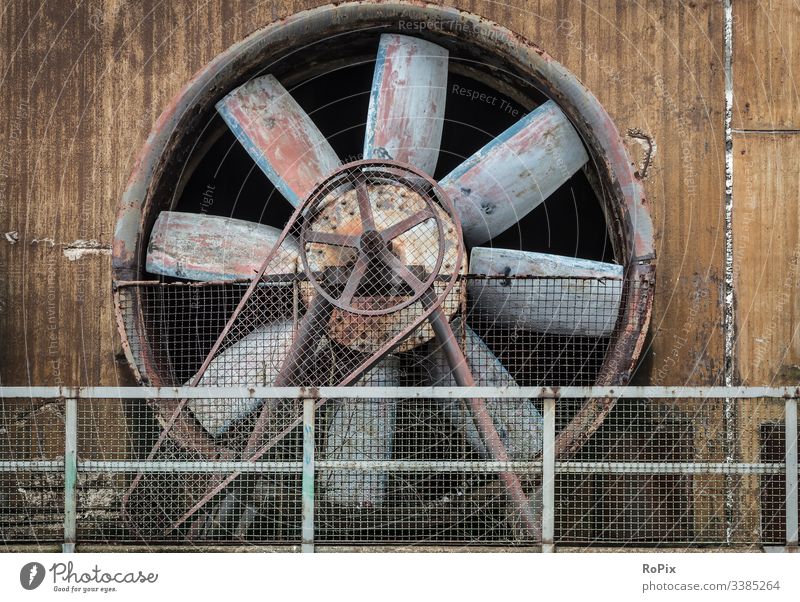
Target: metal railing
[[548, 467]]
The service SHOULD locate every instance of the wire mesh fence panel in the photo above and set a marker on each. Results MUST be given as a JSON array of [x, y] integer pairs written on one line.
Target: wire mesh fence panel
[[672, 473], [31, 494], [423, 482], [262, 508], [32, 505], [769, 490], [408, 471], [376, 506]]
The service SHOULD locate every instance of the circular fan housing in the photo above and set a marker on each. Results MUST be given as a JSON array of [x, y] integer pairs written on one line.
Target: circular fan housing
[[376, 237], [564, 120]]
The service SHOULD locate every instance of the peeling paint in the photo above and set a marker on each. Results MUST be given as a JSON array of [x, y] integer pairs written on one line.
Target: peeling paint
[[43, 241], [514, 173], [81, 248], [407, 100], [632, 230], [279, 136]]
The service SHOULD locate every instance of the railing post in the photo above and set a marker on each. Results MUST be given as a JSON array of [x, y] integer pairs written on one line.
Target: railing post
[[548, 476], [70, 474], [308, 476], [791, 473]]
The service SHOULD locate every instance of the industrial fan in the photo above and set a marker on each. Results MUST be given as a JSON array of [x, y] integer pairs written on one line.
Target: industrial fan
[[378, 255]]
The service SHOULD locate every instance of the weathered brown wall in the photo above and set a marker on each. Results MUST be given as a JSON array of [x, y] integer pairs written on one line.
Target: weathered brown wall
[[766, 201], [83, 85], [766, 138]]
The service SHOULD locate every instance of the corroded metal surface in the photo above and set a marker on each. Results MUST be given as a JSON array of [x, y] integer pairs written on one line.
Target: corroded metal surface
[[584, 298], [494, 444], [203, 247], [299, 360], [626, 207], [514, 173], [279, 136], [419, 233], [634, 321], [407, 102]]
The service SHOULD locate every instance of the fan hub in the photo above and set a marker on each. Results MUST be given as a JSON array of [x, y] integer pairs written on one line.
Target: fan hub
[[385, 234], [372, 243]]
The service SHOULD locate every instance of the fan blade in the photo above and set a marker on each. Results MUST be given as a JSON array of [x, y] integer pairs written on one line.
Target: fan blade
[[358, 430], [279, 136], [209, 247], [506, 179], [578, 296], [253, 360], [517, 421], [406, 103]]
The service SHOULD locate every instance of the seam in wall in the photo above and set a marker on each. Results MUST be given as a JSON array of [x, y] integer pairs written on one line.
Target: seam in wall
[[729, 326]]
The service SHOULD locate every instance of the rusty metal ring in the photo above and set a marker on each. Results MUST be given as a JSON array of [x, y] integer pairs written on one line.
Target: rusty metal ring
[[161, 162], [374, 240]]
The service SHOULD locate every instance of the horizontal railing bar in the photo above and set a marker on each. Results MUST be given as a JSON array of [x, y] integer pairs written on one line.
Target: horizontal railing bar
[[32, 465], [166, 466], [632, 467], [532, 467], [187, 466], [626, 392], [297, 466]]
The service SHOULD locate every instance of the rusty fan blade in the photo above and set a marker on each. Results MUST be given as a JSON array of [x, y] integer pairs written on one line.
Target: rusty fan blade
[[582, 297], [407, 101], [203, 247], [279, 136], [514, 173]]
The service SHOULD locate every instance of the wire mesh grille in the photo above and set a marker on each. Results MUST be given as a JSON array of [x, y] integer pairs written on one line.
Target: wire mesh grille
[[410, 471], [181, 322], [393, 501], [32, 504], [31, 500], [650, 476]]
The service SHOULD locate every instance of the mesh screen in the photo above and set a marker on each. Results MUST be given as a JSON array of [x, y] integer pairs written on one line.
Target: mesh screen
[[407, 475], [32, 496], [409, 471]]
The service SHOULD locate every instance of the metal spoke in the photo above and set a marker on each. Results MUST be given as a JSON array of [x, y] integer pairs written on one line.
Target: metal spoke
[[364, 208], [403, 272], [359, 269], [483, 420], [405, 225]]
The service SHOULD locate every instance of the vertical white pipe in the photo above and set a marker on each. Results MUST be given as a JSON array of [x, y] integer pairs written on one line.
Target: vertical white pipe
[[791, 473], [548, 476], [308, 476], [70, 474]]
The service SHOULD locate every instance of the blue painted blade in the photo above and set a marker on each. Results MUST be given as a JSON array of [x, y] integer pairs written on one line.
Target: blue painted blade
[[518, 422], [407, 102], [506, 179], [575, 297], [279, 136], [359, 430], [196, 246]]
